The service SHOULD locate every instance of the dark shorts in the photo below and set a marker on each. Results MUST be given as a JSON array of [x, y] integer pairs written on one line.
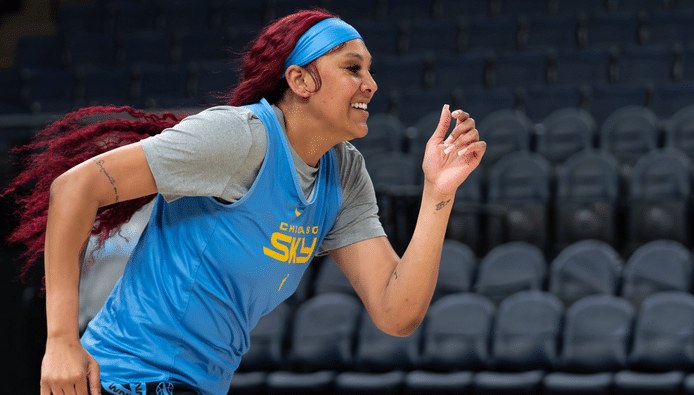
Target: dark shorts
[[156, 388]]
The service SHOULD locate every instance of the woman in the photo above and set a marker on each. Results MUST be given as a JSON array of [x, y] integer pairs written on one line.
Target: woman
[[247, 195]]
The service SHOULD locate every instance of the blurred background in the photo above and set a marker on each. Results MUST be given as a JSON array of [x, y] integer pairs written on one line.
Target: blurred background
[[568, 263]]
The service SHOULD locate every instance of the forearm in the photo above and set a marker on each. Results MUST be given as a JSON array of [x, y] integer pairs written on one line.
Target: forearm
[[412, 283], [71, 215]]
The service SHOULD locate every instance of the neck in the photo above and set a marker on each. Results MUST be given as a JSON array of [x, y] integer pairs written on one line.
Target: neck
[[305, 132]]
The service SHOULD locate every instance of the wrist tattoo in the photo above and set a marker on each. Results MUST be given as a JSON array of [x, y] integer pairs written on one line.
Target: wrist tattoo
[[100, 163], [442, 204]]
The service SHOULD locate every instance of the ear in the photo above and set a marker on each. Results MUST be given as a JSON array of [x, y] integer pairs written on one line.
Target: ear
[[299, 81]]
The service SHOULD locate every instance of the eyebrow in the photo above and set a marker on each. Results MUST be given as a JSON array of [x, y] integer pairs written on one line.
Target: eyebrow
[[355, 55]]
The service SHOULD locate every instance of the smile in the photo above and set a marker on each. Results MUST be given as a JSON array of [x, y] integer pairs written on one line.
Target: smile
[[360, 106]]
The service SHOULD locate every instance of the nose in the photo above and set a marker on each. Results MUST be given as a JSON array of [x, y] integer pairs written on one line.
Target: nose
[[369, 85]]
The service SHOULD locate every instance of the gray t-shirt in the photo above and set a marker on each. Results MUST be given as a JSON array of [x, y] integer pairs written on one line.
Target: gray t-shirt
[[218, 152]]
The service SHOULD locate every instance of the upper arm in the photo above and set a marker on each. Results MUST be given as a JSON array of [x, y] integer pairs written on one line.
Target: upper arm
[[114, 176], [369, 266]]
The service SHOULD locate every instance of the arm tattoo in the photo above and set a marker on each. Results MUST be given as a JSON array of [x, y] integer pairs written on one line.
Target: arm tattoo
[[442, 205], [100, 163]]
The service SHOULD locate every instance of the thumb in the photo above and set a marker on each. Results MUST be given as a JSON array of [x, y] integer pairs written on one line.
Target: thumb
[[93, 375], [444, 123]]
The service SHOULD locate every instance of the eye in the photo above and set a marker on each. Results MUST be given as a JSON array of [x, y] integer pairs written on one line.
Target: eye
[[372, 71], [355, 68]]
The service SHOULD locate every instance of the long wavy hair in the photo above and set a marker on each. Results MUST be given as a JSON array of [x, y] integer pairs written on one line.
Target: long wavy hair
[[90, 131]]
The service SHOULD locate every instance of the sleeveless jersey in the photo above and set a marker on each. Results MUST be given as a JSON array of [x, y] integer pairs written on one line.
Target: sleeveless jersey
[[203, 273]]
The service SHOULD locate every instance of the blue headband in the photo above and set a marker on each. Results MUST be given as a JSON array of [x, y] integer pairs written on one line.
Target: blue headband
[[318, 40]]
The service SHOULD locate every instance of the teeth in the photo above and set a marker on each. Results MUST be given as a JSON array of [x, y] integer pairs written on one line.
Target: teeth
[[361, 106]]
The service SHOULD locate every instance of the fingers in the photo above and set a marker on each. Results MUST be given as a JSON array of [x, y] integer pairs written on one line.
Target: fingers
[[464, 124], [444, 123], [94, 377]]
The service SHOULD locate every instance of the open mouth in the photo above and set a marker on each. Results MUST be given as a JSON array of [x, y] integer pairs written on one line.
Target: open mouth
[[360, 106]]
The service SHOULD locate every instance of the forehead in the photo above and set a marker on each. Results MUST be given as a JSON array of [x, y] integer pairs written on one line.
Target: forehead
[[355, 49]]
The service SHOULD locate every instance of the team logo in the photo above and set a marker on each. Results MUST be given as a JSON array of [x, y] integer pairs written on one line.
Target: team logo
[[164, 389]]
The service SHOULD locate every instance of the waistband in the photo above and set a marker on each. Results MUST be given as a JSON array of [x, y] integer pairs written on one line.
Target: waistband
[[152, 388]]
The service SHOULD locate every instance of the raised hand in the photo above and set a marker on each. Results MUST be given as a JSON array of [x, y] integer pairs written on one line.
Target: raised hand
[[448, 163]]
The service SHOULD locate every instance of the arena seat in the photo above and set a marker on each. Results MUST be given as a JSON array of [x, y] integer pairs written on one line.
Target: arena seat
[[564, 133], [585, 268]]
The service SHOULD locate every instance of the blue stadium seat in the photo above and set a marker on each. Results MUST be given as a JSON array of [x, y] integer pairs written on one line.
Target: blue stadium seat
[[641, 5], [399, 72], [607, 29], [81, 18], [543, 33], [629, 132], [50, 89], [225, 13], [125, 16], [527, 329], [381, 360], [510, 268], [518, 197], [410, 10], [570, 7], [330, 279], [413, 105], [198, 45], [38, 51], [323, 334], [268, 339], [564, 133], [440, 37], [386, 134], [541, 101], [670, 98], [679, 130], [457, 333], [357, 10], [587, 66], [597, 332], [381, 38], [606, 99], [497, 33], [481, 102], [688, 63], [588, 191], [9, 95], [505, 131], [467, 212], [463, 71], [660, 195], [663, 346], [457, 269], [525, 68], [212, 79], [657, 266], [516, 8], [585, 268], [143, 46], [670, 27], [91, 48], [450, 9], [163, 85], [639, 64], [182, 15], [104, 85]]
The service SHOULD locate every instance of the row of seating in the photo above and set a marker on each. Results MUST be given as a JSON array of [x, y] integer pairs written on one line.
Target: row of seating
[[526, 344], [581, 269]]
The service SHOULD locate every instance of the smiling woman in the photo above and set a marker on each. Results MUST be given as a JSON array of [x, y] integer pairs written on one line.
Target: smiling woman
[[246, 195]]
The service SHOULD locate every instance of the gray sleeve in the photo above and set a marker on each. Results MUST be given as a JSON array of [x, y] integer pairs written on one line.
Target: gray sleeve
[[358, 219], [199, 156]]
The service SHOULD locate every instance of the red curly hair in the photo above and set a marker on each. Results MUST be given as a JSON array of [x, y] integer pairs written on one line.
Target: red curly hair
[[90, 131]]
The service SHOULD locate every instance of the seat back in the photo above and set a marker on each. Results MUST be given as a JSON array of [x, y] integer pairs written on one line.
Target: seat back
[[585, 268], [511, 268], [660, 265], [457, 333], [526, 331], [378, 351], [597, 331]]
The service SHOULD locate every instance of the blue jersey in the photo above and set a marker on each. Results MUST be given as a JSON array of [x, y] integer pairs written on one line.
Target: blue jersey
[[203, 273]]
